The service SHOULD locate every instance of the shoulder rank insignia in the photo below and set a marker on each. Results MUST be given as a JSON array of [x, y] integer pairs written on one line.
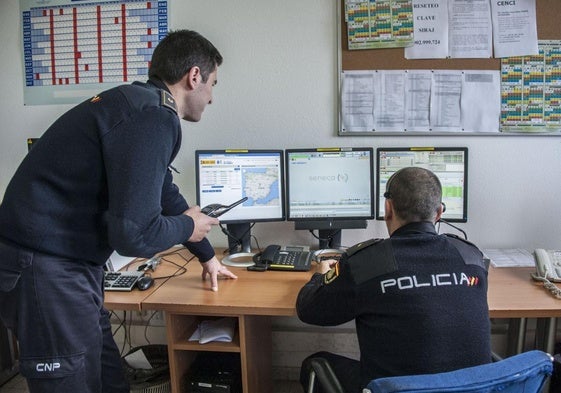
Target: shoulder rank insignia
[[454, 236], [332, 274], [95, 99], [168, 101], [362, 245]]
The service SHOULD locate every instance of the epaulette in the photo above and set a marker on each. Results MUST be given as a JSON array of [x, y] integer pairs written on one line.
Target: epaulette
[[470, 253], [453, 236], [362, 245], [371, 259], [168, 101]]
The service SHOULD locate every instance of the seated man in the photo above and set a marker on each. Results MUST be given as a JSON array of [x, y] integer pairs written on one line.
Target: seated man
[[419, 299]]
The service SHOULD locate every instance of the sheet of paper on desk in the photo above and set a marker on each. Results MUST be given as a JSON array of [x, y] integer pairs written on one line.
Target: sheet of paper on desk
[[117, 261], [510, 257]]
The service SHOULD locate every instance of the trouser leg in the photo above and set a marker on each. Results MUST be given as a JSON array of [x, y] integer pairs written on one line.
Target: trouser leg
[[56, 310]]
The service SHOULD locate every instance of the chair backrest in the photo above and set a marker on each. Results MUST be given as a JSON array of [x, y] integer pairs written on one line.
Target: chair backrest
[[525, 372]]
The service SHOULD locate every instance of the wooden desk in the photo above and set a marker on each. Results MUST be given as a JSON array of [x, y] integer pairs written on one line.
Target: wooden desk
[[271, 293], [253, 298], [513, 294], [257, 296], [132, 301]]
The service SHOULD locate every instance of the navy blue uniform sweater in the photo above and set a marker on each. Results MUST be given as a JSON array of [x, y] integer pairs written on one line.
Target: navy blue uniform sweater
[[98, 180], [419, 300]]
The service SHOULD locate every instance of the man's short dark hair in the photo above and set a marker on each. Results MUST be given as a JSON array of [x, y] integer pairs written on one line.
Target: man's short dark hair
[[416, 194], [181, 50]]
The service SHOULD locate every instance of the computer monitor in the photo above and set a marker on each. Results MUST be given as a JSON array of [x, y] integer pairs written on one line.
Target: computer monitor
[[225, 176], [330, 189], [450, 164]]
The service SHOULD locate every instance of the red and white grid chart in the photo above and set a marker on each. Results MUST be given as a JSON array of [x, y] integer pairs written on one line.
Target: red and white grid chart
[[73, 49]]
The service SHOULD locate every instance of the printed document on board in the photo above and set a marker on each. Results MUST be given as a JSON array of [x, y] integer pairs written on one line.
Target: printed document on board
[[470, 29], [515, 30], [358, 89], [420, 100], [389, 110], [417, 100], [430, 30], [481, 91], [452, 28], [445, 100]]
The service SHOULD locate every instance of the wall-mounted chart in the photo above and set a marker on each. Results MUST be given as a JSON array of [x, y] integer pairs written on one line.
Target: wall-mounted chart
[[75, 49], [379, 23], [531, 90]]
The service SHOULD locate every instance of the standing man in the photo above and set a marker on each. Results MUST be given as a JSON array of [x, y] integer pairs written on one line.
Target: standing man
[[98, 180], [419, 299]]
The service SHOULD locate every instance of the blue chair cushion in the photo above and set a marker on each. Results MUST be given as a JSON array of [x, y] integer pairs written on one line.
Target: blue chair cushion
[[525, 372]]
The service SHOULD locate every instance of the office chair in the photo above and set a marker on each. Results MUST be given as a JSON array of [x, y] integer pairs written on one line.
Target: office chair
[[526, 372]]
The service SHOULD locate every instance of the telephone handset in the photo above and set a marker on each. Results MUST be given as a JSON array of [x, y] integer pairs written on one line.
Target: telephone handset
[[268, 256], [264, 258], [548, 269], [275, 257], [548, 264]]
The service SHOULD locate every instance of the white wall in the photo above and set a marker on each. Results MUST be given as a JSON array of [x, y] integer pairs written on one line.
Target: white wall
[[278, 88]]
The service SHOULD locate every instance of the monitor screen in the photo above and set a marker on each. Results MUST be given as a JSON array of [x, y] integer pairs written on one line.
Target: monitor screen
[[450, 164], [225, 176], [330, 188]]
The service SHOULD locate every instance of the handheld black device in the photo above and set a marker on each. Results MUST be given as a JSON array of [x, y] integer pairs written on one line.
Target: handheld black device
[[216, 209]]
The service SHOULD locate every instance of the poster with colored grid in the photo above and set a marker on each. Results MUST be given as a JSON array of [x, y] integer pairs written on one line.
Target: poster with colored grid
[[73, 49], [375, 24], [531, 90]]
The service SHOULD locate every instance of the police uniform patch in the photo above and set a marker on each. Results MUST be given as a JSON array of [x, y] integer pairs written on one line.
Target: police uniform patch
[[167, 100], [332, 274]]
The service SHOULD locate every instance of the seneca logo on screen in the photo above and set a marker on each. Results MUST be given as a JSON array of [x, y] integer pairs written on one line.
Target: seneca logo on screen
[[341, 177]]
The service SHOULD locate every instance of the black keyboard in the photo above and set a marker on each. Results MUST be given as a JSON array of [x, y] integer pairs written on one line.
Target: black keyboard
[[121, 281], [292, 260]]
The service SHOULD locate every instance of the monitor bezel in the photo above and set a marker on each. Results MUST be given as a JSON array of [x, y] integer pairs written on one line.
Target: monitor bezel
[[280, 154], [463, 149], [329, 222]]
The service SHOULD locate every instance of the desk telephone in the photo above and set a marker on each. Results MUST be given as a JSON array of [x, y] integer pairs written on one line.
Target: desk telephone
[[275, 257], [548, 269]]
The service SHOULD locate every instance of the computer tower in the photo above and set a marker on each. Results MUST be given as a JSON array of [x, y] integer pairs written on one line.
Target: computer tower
[[214, 372]]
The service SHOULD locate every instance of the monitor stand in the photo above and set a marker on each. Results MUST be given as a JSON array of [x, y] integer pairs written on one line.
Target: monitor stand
[[329, 230], [329, 238], [239, 246]]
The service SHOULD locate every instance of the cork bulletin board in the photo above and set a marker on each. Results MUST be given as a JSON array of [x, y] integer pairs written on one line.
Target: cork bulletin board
[[548, 28]]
